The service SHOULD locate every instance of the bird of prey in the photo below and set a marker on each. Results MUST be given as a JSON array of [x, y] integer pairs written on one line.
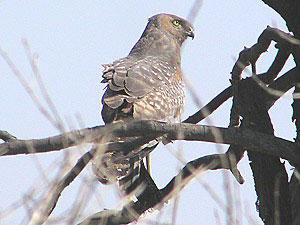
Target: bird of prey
[[145, 85]]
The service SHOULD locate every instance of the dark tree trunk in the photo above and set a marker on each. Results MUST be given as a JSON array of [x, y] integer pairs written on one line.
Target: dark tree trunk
[[278, 200], [270, 178]]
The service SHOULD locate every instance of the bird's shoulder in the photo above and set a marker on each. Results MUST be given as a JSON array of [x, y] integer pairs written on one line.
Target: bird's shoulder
[[138, 75]]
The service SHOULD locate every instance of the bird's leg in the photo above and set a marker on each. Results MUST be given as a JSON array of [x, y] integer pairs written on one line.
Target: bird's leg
[[148, 163]]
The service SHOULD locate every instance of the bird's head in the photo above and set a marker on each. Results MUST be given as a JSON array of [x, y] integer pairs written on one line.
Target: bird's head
[[179, 28]]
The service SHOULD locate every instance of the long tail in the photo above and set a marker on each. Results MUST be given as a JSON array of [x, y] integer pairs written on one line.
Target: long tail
[[131, 173], [132, 181]]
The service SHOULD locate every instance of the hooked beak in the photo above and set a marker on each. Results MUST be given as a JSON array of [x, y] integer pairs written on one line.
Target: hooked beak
[[191, 34]]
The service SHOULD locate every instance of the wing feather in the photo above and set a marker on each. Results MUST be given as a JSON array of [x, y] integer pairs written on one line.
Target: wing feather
[[134, 78]]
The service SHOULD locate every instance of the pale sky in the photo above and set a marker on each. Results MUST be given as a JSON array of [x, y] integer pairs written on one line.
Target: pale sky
[[72, 40]]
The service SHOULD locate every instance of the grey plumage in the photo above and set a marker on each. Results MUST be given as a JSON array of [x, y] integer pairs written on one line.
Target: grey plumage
[[147, 84]]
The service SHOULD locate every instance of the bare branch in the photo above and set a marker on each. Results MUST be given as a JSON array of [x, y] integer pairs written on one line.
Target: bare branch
[[28, 89], [244, 137], [49, 202], [36, 72], [133, 210], [194, 11]]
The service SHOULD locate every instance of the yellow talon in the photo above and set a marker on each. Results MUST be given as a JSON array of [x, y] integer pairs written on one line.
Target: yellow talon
[[148, 163]]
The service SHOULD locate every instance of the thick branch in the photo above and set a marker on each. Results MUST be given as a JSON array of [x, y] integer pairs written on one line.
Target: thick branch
[[248, 139], [289, 11], [250, 98]]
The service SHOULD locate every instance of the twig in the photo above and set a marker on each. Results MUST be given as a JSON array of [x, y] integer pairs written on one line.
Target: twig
[[41, 214], [28, 89], [194, 11], [210, 107], [36, 72]]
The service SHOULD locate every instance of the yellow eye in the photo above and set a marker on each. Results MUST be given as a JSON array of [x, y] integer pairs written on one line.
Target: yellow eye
[[176, 23]]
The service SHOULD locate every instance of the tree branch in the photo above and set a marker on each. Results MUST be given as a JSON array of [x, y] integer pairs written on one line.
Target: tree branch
[[41, 214], [285, 42], [244, 137]]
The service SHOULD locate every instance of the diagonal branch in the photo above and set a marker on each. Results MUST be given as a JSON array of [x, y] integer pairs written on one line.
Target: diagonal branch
[[49, 202], [132, 211]]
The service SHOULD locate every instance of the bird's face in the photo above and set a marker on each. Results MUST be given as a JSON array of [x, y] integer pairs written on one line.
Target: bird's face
[[179, 28]]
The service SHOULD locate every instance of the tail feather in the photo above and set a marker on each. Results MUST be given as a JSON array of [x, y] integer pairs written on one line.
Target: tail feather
[[130, 182], [150, 194], [128, 170]]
